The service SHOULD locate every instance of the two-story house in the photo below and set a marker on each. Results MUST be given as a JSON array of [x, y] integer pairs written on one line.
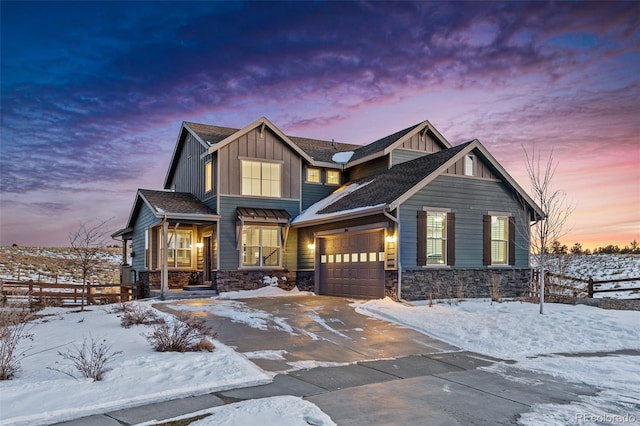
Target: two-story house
[[405, 216]]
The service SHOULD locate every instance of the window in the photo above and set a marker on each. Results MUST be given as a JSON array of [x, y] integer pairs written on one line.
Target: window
[[208, 176], [179, 253], [469, 165], [499, 239], [333, 177], [313, 175], [146, 248], [436, 237], [261, 179], [261, 246]]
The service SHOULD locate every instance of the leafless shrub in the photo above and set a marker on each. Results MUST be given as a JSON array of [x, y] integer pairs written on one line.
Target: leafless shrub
[[136, 314], [461, 289], [13, 329], [91, 360], [185, 334], [494, 288]]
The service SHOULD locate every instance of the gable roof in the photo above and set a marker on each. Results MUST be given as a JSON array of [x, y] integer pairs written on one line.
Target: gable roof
[[172, 205], [387, 144], [388, 189], [322, 151]]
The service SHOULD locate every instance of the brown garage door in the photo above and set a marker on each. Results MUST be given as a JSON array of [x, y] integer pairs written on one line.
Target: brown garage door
[[352, 265]]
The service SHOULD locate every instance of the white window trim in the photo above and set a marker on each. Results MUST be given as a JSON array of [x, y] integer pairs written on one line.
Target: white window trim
[[470, 160], [280, 246], [208, 176], [504, 264], [319, 181], [339, 177], [446, 242], [261, 161]]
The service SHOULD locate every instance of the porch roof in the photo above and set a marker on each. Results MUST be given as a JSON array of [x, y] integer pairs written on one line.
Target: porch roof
[[263, 215], [178, 206]]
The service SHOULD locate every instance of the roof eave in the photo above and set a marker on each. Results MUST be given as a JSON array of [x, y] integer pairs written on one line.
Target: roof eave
[[340, 216]]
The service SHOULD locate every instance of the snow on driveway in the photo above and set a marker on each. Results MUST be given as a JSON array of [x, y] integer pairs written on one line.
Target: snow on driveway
[[515, 330]]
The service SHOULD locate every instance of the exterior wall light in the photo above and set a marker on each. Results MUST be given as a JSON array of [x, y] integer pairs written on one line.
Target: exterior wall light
[[311, 246], [390, 238], [199, 245]]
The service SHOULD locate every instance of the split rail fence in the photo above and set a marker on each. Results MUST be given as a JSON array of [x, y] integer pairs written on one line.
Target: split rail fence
[[552, 286], [68, 295]]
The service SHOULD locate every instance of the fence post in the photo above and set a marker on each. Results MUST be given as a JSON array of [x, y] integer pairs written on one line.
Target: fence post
[[89, 294], [590, 287]]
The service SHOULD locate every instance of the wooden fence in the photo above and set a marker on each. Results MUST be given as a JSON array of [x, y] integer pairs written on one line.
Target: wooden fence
[[55, 294], [592, 286]]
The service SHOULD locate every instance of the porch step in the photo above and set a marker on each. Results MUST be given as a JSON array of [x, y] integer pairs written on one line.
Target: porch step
[[198, 287], [181, 294]]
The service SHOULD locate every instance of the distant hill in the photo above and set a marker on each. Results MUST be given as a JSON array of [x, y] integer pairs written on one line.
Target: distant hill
[[48, 263]]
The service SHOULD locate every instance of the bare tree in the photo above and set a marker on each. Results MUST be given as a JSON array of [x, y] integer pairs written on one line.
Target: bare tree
[[553, 203], [86, 244]]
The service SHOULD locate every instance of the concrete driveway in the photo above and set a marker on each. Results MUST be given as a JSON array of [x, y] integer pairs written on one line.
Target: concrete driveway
[[309, 328], [361, 370]]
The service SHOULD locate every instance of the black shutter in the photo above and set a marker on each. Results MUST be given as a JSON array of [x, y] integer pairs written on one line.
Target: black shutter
[[512, 240], [486, 240], [451, 239], [422, 238]]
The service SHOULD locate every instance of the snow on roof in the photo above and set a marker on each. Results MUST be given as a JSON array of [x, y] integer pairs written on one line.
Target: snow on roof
[[342, 157], [311, 212]]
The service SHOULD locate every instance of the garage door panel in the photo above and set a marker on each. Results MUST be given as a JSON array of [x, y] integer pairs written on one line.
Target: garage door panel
[[351, 265]]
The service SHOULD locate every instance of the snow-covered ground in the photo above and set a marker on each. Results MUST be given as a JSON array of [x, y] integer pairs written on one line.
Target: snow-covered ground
[[516, 331], [510, 330], [599, 267]]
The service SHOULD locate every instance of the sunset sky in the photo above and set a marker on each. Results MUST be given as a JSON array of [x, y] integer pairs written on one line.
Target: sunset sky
[[93, 94]]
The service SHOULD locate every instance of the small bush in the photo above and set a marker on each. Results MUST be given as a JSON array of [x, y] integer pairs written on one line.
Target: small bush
[[91, 360], [185, 334], [135, 314], [494, 289], [13, 329]]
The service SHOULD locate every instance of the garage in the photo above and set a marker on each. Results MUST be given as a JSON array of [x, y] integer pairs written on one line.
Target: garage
[[352, 264]]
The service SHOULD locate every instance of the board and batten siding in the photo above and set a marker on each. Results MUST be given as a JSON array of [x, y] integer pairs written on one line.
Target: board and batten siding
[[425, 143], [482, 170], [252, 146], [189, 173], [144, 220], [228, 248], [469, 199]]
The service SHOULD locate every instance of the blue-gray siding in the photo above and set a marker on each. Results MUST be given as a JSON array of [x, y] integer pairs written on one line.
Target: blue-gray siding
[[314, 192], [144, 220], [189, 172], [228, 251], [402, 155], [469, 199]]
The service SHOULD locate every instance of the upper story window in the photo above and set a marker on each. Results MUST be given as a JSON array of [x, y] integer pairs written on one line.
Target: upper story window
[[313, 175], [333, 177], [470, 165], [208, 176], [261, 178]]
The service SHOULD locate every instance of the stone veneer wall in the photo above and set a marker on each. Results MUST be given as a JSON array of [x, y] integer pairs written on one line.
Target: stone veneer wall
[[177, 279], [252, 280], [391, 284], [464, 283]]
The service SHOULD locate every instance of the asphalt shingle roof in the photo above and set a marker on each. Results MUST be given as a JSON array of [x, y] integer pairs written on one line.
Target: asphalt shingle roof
[[321, 150], [210, 134], [175, 202], [380, 144], [389, 185]]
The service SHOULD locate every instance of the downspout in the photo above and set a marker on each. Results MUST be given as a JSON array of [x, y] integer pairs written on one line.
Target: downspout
[[397, 222]]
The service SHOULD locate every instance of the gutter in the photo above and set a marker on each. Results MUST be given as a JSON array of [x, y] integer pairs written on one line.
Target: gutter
[[345, 216]]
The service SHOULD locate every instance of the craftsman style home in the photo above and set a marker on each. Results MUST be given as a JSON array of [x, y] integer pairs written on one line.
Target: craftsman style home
[[407, 216]]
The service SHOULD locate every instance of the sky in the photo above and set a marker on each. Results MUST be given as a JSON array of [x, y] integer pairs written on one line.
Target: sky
[[92, 94]]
